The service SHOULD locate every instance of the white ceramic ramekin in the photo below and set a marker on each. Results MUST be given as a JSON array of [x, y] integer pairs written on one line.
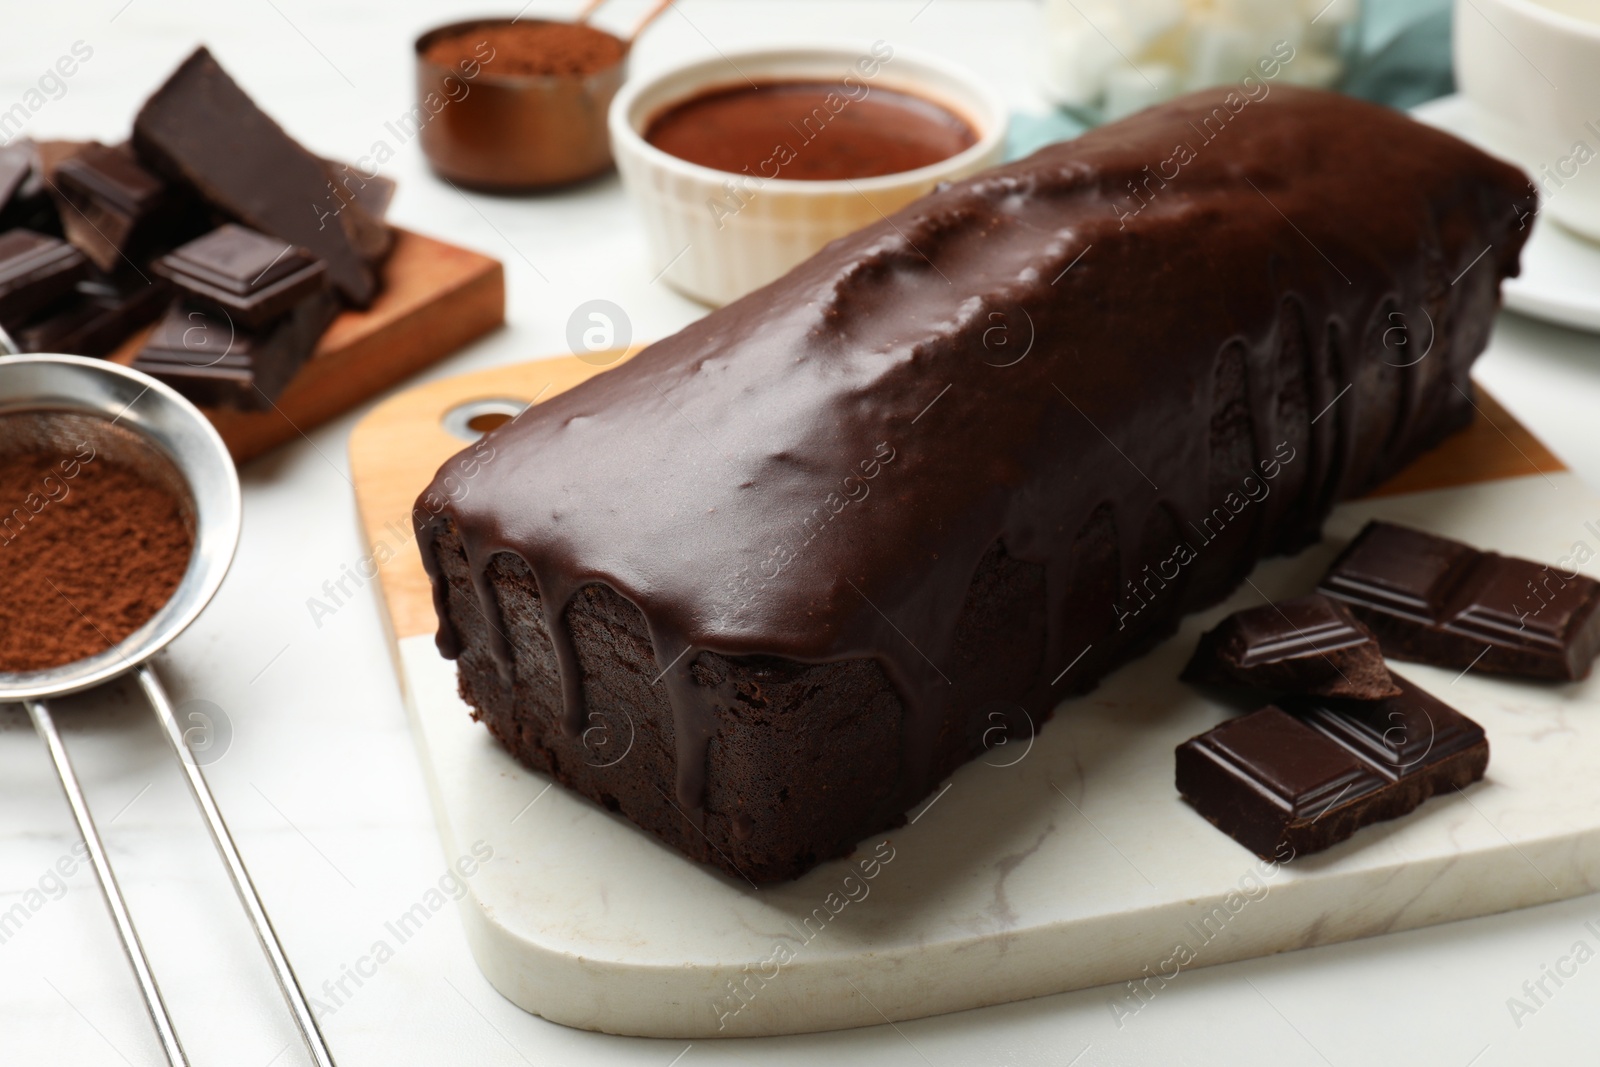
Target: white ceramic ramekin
[[716, 236], [1532, 72]]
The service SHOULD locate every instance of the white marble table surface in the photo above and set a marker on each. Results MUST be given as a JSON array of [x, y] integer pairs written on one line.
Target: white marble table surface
[[321, 781]]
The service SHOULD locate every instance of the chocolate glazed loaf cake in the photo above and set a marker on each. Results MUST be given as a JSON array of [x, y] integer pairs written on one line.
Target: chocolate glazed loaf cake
[[762, 587]]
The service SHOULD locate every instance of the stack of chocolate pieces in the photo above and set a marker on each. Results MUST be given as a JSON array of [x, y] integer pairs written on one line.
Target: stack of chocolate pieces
[[258, 242], [110, 213], [79, 294], [1348, 742], [202, 131], [249, 311]]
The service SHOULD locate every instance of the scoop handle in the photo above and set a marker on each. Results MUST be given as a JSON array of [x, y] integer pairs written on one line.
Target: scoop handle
[[287, 982], [44, 723]]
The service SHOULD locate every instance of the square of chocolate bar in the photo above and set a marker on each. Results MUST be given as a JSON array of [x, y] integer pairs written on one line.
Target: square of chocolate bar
[[216, 363], [1408, 736], [1269, 781], [98, 316], [1438, 601], [1310, 644], [1310, 771], [249, 276], [35, 272], [112, 206], [1407, 572]]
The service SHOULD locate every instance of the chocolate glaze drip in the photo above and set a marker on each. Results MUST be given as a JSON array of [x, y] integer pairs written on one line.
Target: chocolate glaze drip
[[1084, 356]]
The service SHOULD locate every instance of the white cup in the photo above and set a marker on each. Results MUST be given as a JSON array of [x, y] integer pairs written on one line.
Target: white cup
[[1532, 71], [716, 236]]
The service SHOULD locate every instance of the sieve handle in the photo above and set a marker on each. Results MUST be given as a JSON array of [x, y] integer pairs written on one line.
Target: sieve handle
[[8, 347], [45, 724], [246, 889]]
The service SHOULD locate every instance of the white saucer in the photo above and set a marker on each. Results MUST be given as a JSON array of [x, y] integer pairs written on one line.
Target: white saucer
[[1560, 280]]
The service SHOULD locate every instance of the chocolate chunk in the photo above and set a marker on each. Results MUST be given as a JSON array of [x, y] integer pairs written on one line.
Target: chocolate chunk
[[112, 208], [16, 165], [249, 276], [1438, 601], [1400, 737], [100, 313], [201, 128], [1306, 645], [24, 200], [1268, 780], [54, 153], [373, 192], [1308, 777], [35, 272], [216, 363]]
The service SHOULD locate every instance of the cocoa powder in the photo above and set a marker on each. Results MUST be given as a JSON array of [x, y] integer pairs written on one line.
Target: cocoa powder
[[530, 48], [90, 549]]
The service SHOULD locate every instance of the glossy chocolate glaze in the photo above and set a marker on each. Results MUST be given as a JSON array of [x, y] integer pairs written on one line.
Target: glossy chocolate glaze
[[1104, 338]]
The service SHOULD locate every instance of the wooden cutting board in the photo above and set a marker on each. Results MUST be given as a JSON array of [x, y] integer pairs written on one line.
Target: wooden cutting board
[[1061, 861], [436, 297]]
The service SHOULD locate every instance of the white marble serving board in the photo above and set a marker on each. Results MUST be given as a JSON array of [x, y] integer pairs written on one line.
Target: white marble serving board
[[1076, 865]]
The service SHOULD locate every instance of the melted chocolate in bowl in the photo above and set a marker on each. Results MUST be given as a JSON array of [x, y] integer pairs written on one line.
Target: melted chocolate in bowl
[[810, 131]]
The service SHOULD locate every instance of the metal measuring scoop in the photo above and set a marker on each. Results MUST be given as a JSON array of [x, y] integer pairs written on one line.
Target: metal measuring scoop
[[55, 403]]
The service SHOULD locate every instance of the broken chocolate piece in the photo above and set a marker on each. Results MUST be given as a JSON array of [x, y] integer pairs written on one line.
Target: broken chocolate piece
[[112, 208], [52, 154], [1438, 601], [1306, 645], [24, 201], [249, 276], [1276, 781], [35, 272], [1268, 780], [100, 313], [216, 363], [200, 128], [1399, 736], [373, 192], [16, 165]]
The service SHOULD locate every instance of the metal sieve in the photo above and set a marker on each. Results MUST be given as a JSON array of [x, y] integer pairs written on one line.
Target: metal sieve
[[56, 402]]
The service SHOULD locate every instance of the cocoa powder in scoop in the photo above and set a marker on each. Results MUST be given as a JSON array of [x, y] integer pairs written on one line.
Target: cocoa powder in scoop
[[90, 549], [530, 48]]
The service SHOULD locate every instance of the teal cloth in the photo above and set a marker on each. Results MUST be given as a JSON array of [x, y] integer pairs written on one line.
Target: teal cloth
[[1401, 58]]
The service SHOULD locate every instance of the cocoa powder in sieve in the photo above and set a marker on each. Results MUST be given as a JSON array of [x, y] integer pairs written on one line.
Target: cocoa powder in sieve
[[530, 48], [90, 550]]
